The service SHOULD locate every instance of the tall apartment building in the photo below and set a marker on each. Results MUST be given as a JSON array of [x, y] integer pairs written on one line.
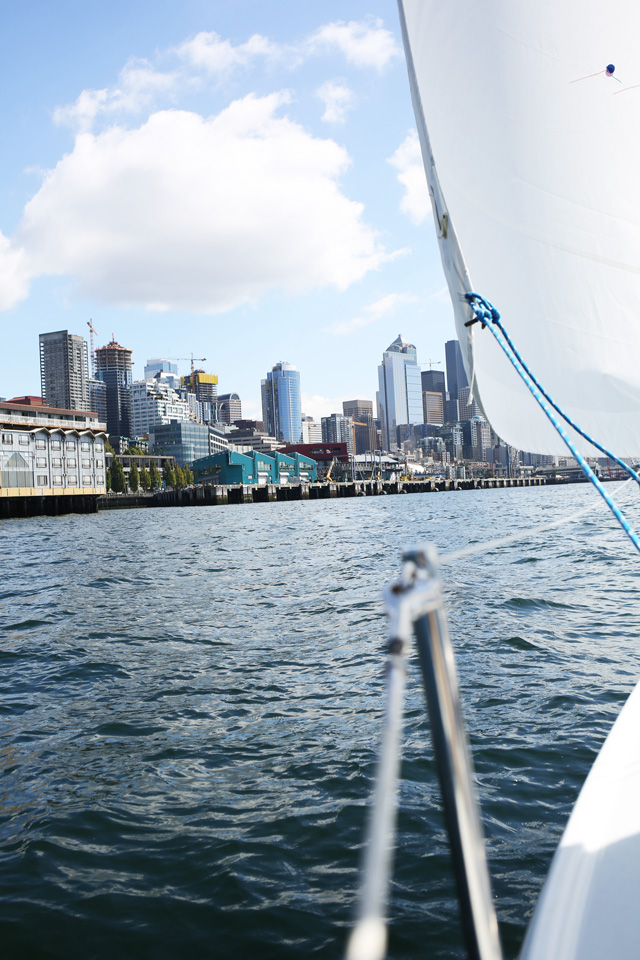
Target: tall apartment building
[[361, 413], [64, 370], [399, 391], [281, 404], [113, 367]]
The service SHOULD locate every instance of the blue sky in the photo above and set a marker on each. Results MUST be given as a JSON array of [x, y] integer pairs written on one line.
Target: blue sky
[[236, 180]]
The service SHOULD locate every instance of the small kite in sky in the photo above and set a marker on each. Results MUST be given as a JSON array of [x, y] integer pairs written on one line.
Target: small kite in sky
[[608, 71]]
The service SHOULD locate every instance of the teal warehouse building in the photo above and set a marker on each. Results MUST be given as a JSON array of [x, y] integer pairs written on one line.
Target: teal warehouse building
[[230, 467]]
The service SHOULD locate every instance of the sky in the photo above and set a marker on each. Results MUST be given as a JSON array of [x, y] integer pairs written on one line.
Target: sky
[[236, 180]]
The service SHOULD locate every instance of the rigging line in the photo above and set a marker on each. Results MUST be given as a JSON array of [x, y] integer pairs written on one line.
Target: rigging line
[[495, 316], [487, 545], [487, 314]]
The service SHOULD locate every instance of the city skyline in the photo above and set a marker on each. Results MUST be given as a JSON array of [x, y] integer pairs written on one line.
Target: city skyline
[[318, 247]]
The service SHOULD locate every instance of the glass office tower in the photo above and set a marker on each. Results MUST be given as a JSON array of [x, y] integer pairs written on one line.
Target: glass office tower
[[281, 404]]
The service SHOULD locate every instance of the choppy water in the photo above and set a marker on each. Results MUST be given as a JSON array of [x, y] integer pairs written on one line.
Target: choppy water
[[190, 704]]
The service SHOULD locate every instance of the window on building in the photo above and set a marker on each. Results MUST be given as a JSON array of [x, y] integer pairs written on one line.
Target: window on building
[[70, 444], [57, 481], [41, 444], [85, 446], [24, 440], [72, 481], [86, 464], [56, 462], [99, 464], [41, 461], [7, 438], [43, 480], [56, 445], [72, 462], [87, 481]]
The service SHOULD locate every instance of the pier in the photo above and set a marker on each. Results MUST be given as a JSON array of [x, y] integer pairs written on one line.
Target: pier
[[275, 493]]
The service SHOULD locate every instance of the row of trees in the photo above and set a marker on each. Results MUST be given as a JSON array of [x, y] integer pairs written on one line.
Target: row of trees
[[175, 477]]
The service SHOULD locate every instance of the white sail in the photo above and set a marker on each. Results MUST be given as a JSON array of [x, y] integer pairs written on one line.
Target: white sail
[[539, 179]]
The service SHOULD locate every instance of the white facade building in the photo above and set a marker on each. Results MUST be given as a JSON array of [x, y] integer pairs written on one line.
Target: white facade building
[[153, 401], [46, 451]]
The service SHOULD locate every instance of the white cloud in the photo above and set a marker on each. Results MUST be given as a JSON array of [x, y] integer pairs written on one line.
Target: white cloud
[[316, 406], [383, 307], [208, 51], [14, 275], [408, 162], [364, 43], [204, 215], [338, 99], [139, 85]]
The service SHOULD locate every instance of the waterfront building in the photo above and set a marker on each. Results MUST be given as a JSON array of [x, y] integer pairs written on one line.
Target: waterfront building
[[361, 414], [467, 407], [432, 406], [338, 429], [185, 441], [311, 430], [456, 374], [153, 401], [324, 454], [281, 405], [400, 390], [254, 467], [231, 467], [229, 408], [64, 370], [113, 367], [50, 451]]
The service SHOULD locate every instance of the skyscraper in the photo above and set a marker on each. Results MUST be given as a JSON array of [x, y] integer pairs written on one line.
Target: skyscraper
[[456, 374], [399, 391], [361, 412], [64, 370], [338, 429], [113, 367], [229, 408], [433, 382], [281, 406]]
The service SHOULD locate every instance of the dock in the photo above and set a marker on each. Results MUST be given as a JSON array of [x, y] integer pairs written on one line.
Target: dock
[[277, 493]]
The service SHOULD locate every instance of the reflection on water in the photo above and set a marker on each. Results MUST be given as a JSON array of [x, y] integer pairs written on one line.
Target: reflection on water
[[191, 703]]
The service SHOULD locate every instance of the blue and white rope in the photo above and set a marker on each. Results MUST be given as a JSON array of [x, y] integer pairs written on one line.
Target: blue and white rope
[[487, 315]]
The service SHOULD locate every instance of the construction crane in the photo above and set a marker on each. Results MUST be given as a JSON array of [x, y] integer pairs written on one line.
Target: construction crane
[[93, 352], [193, 360]]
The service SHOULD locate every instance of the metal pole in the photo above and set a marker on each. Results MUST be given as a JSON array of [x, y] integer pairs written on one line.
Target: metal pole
[[455, 772]]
